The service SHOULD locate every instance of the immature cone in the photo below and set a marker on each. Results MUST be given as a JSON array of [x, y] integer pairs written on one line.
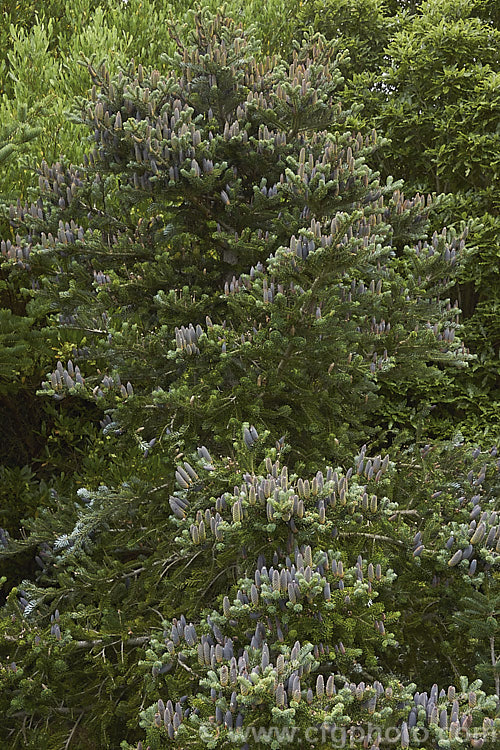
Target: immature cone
[[320, 686], [405, 737], [236, 512], [254, 595], [478, 534], [280, 695], [455, 559], [280, 664], [296, 692], [330, 686], [181, 481]]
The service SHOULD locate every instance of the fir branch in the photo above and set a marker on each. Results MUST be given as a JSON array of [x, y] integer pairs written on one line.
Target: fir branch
[[376, 537]]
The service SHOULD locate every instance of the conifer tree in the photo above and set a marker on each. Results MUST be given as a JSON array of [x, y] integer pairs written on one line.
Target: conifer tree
[[268, 238], [238, 293]]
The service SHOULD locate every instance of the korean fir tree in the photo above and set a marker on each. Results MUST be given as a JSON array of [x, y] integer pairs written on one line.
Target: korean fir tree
[[318, 640], [228, 250], [299, 606], [226, 271]]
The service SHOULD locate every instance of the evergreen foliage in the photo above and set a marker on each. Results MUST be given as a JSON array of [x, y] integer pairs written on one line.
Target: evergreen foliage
[[244, 303], [380, 74], [302, 244], [429, 82]]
